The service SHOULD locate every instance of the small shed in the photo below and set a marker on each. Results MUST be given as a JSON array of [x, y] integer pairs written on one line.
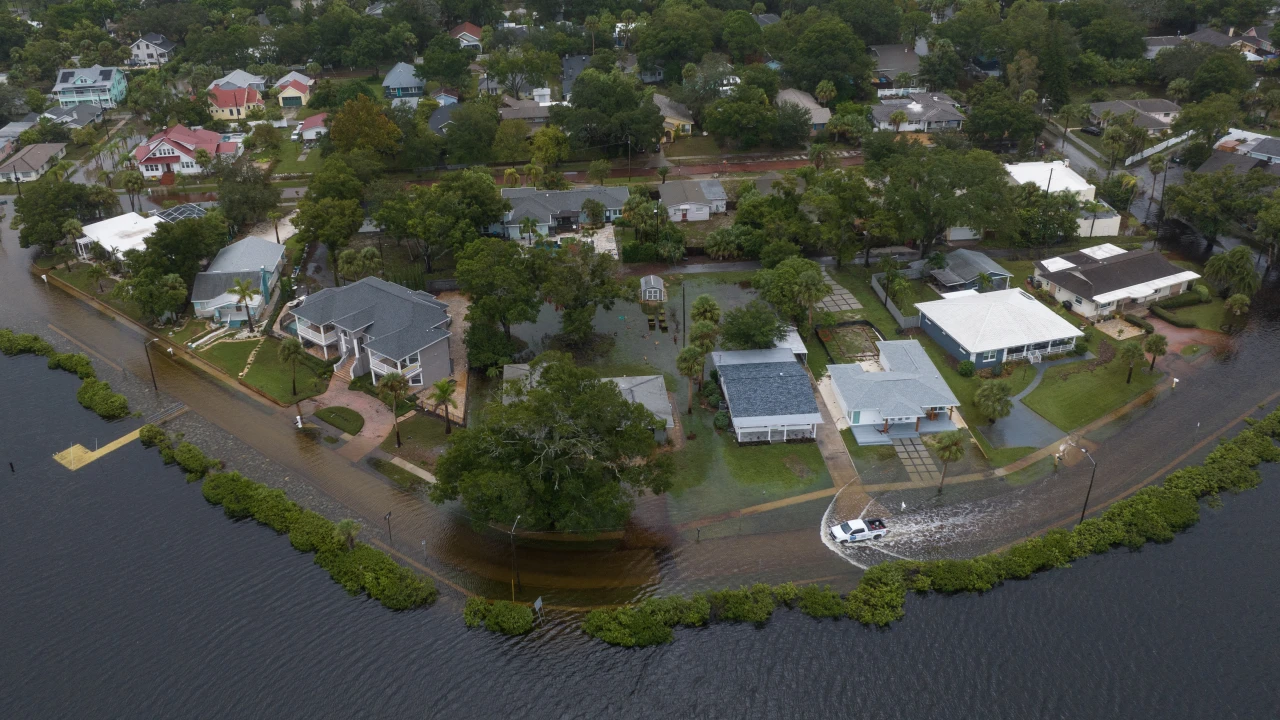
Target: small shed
[[652, 289]]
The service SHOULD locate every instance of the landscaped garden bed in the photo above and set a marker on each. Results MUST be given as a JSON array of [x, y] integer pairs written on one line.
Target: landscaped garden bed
[[345, 419]]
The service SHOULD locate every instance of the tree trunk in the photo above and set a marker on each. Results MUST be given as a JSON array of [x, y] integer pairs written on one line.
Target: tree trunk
[[944, 477], [295, 377], [1130, 378], [396, 420], [690, 396], [1153, 363], [248, 314], [448, 423]]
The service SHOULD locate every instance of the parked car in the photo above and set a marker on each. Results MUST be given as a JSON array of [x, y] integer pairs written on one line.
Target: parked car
[[859, 530], [1093, 130]]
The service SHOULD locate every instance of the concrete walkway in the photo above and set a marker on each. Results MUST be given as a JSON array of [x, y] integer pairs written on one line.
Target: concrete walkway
[[840, 298], [378, 421]]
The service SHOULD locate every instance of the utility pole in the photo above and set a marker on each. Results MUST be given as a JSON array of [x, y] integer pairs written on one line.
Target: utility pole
[[390, 539], [515, 568], [151, 367], [1089, 492]]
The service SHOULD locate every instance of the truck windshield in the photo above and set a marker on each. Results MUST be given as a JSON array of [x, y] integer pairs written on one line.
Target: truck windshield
[[846, 527]]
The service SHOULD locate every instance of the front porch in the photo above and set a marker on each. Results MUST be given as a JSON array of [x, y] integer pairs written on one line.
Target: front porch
[[886, 433]]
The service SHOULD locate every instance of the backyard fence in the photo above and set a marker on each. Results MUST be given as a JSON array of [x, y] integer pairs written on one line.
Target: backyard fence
[[1157, 148], [904, 322]]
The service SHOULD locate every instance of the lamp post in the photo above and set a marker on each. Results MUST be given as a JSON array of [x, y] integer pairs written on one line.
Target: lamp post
[[1089, 492], [151, 367], [515, 568], [390, 539]]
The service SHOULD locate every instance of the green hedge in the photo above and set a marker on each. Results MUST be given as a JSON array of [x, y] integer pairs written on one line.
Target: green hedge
[[634, 252], [94, 394], [359, 569], [500, 616], [1170, 318], [1186, 299], [1155, 513], [1146, 326]]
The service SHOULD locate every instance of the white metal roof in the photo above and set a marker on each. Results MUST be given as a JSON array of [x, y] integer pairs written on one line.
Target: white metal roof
[[1044, 174], [1145, 289], [1055, 264], [1105, 250], [120, 233], [996, 320], [793, 341], [958, 293]]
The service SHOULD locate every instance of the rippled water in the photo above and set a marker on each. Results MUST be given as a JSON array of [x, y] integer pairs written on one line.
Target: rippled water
[[126, 595]]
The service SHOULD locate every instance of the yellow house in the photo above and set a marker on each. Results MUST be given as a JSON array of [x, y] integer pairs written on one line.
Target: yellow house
[[295, 89], [677, 121], [233, 105]]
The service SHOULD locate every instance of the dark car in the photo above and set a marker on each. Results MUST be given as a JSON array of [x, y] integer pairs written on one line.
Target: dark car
[[1093, 130]]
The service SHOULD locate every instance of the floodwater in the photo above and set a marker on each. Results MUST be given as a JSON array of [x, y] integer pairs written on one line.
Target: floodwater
[[129, 596]]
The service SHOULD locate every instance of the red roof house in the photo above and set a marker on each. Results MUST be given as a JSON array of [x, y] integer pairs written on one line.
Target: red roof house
[[174, 150], [467, 34], [234, 103]]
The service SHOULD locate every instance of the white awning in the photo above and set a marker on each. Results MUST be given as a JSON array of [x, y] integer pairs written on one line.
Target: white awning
[[1141, 290], [1055, 264]]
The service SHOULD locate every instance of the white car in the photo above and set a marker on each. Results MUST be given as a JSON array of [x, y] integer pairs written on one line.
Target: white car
[[858, 530]]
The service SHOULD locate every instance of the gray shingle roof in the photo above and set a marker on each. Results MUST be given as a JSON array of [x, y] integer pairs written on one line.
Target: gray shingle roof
[[767, 389], [894, 59], [1092, 277], [570, 68], [75, 116], [697, 191], [397, 321], [542, 205], [238, 79], [964, 266], [650, 391], [442, 116], [209, 285], [401, 76], [909, 383], [1209, 36], [250, 253], [1237, 162], [160, 41], [920, 107], [672, 109], [1269, 147], [766, 19]]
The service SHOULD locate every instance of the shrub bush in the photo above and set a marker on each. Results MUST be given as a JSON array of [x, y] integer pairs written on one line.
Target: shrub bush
[[12, 343], [373, 571], [1203, 292], [313, 532], [786, 593], [880, 595], [275, 510], [193, 460], [500, 616], [1186, 299], [754, 604], [634, 252], [96, 395], [721, 420], [626, 627], [475, 611], [77, 363], [1170, 318], [1147, 327], [152, 435], [820, 602], [997, 370], [965, 368]]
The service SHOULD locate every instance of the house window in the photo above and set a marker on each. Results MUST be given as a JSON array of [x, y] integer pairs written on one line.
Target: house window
[[151, 168], [857, 415], [413, 359], [416, 379], [989, 356], [1079, 300], [188, 164]]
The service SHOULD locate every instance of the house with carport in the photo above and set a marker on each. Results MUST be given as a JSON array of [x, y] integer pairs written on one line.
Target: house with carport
[[996, 327], [769, 395], [378, 328], [901, 396], [1105, 279]]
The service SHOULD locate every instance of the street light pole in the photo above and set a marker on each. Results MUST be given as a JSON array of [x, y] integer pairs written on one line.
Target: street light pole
[[1089, 492], [151, 367], [390, 538], [515, 568]]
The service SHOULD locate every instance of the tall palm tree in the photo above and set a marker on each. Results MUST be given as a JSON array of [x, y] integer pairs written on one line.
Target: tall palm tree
[[825, 92], [704, 307], [689, 363], [1157, 345], [1072, 114], [291, 353], [897, 117], [391, 388], [346, 532], [1157, 164], [592, 24], [97, 273], [275, 217], [354, 264], [819, 155], [950, 448], [1234, 271], [245, 290], [72, 231], [810, 289], [441, 397], [512, 177], [134, 184]]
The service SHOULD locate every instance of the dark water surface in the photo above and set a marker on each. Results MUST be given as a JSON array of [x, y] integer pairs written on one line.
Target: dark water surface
[[127, 596]]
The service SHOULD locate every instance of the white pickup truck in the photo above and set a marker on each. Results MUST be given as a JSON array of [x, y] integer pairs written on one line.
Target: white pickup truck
[[858, 530]]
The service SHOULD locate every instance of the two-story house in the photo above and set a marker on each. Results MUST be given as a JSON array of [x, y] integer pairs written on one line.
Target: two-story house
[[255, 259], [555, 211], [234, 104], [378, 328], [174, 150], [403, 81], [468, 36], [238, 79], [104, 86], [151, 49]]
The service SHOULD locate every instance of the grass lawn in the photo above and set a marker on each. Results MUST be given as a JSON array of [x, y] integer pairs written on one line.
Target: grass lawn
[[422, 440], [920, 292], [275, 378], [999, 457], [1190, 350], [365, 385], [192, 329], [1212, 315], [1070, 399], [78, 277], [692, 146], [345, 419], [289, 152], [230, 356], [695, 233], [817, 356], [396, 474], [857, 280], [964, 387]]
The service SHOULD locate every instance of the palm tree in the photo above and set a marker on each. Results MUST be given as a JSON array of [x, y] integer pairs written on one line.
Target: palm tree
[[72, 230], [391, 388], [245, 291], [810, 290], [355, 264], [1092, 207], [1072, 114], [1131, 352], [663, 171], [512, 177], [534, 173], [528, 226], [950, 448], [1179, 89], [689, 363], [897, 117], [984, 282], [275, 217], [346, 532], [291, 353], [993, 399], [133, 183], [1237, 304], [1157, 345], [705, 308], [825, 92], [1234, 272], [1157, 164], [819, 155], [704, 334], [97, 273], [441, 396], [592, 24]]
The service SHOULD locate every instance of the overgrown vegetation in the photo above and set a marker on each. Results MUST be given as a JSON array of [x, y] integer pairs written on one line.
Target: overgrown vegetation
[[1153, 514], [500, 616], [94, 394]]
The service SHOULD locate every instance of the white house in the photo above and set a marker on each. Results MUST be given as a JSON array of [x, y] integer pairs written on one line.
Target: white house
[[1105, 279], [118, 234], [769, 395], [904, 399], [994, 327], [926, 112], [151, 49], [312, 128], [254, 259], [1057, 176], [174, 150], [379, 328], [468, 35], [692, 200], [32, 161], [556, 211]]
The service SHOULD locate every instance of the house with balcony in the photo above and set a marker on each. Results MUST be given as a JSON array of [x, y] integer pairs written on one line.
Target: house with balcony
[[378, 328], [995, 327], [254, 259], [174, 151], [103, 86], [151, 49], [1105, 279], [903, 396]]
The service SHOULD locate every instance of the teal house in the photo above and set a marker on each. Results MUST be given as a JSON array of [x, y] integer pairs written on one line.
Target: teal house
[[102, 86]]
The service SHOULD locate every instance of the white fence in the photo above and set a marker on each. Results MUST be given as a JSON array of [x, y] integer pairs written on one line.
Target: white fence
[[900, 92], [904, 322], [1157, 148]]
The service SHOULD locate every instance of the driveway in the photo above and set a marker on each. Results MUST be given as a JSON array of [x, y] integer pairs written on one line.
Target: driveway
[[1023, 427]]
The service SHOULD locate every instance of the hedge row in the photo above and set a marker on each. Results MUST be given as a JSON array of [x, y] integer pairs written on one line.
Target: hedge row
[[1135, 320], [1170, 318], [94, 394], [360, 568], [1153, 513], [1181, 300], [500, 616]]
